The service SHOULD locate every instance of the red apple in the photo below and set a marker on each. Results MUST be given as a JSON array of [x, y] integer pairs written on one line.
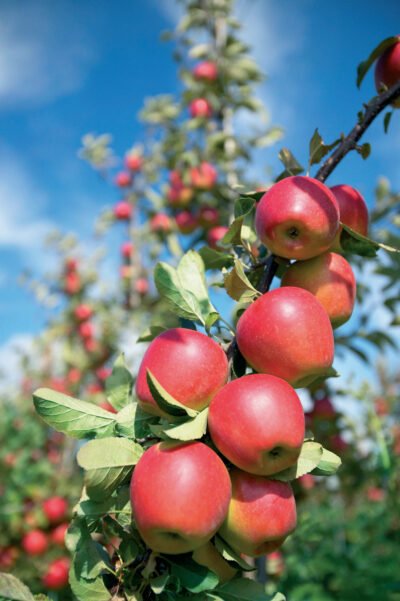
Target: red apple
[[215, 235], [86, 330], [208, 217], [127, 249], [175, 179], [375, 494], [72, 283], [142, 286], [275, 563], [180, 495], [74, 375], [103, 373], [200, 107], [55, 509], [204, 176], [387, 69], [353, 212], [207, 71], [71, 265], [133, 161], [186, 222], [307, 481], [35, 542], [160, 223], [83, 312], [126, 272], [94, 388], [56, 576], [248, 423], [323, 409], [188, 364], [123, 210], [287, 333], [57, 536], [108, 407], [261, 514], [179, 197], [123, 179], [330, 278], [297, 218]]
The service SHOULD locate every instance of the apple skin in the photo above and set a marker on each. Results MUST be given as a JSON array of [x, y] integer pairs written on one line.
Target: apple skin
[[330, 278], [204, 176], [179, 196], [55, 509], [297, 218], [133, 162], [211, 558], [287, 333], [86, 330], [57, 573], [160, 222], [58, 534], [387, 69], [180, 495], [215, 234], [186, 222], [83, 312], [323, 410], [261, 514], [72, 283], [127, 249], [123, 179], [206, 71], [257, 423], [353, 212], [208, 217], [35, 542], [142, 286], [200, 107], [188, 364], [123, 210]]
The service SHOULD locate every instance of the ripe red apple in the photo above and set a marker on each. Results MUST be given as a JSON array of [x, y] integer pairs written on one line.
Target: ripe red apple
[[261, 514], [56, 576], [307, 481], [204, 176], [55, 509], [323, 409], [160, 223], [375, 494], [103, 373], [186, 222], [175, 179], [215, 235], [83, 312], [72, 283], [208, 217], [330, 278], [387, 69], [35, 542], [123, 210], [353, 212], [297, 218], [179, 196], [123, 179], [287, 333], [188, 364], [209, 556], [71, 264], [207, 71], [142, 286], [257, 422], [127, 249], [86, 330], [57, 536], [200, 107], [74, 375], [180, 495], [133, 161], [94, 388]]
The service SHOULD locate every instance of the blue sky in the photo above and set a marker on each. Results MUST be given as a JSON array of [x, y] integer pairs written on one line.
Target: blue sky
[[70, 67]]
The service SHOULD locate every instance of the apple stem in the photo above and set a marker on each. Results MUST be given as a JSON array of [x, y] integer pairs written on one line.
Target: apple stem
[[372, 110]]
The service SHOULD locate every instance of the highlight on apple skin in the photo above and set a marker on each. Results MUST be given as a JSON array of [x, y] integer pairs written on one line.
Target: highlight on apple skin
[[187, 500], [297, 218], [287, 333], [261, 514], [257, 423], [188, 364]]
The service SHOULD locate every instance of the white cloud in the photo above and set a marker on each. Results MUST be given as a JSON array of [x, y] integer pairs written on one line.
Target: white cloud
[[44, 52]]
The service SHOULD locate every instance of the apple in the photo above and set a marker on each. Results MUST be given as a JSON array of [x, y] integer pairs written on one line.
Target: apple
[[108, 407], [211, 558], [200, 107], [57, 536], [208, 217], [94, 388], [275, 564], [83, 312], [160, 222], [287, 333], [55, 509], [215, 235], [206, 71], [175, 179], [72, 283], [180, 495], [142, 286], [353, 212], [133, 161], [179, 196], [126, 272], [123, 179], [103, 373], [382, 406], [204, 176], [261, 514], [91, 345], [307, 481], [8, 557], [127, 249], [323, 409], [188, 364], [330, 278], [375, 494], [86, 330], [71, 265], [123, 210], [387, 69], [56, 576], [74, 375], [186, 222], [35, 542], [297, 218], [257, 423]]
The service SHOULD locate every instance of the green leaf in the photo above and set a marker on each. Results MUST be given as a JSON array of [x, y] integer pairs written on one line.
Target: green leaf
[[318, 148], [192, 429], [243, 589], [12, 589], [165, 401], [234, 234], [386, 121], [270, 137], [328, 464], [230, 555], [185, 289], [292, 166], [310, 456], [159, 583], [76, 418], [214, 259], [117, 504], [150, 333], [192, 576], [107, 463], [238, 286], [119, 384], [88, 590], [353, 242], [125, 421], [364, 150], [364, 67], [243, 206]]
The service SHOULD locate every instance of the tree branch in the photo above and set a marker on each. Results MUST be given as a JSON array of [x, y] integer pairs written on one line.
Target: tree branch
[[374, 107]]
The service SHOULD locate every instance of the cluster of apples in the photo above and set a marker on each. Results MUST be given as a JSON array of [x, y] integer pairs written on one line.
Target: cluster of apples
[[205, 73], [124, 180], [255, 422]]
